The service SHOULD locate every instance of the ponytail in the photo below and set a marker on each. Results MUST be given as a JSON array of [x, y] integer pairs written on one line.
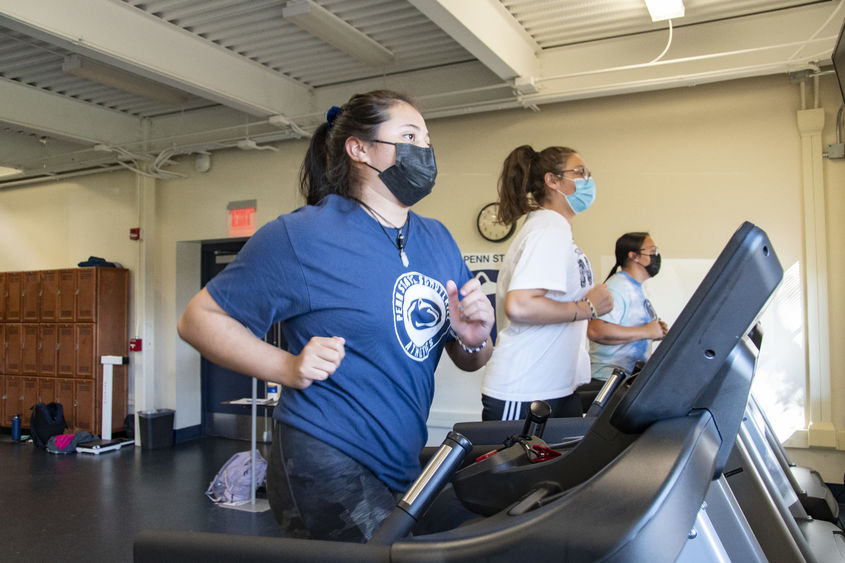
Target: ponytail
[[522, 183], [629, 242]]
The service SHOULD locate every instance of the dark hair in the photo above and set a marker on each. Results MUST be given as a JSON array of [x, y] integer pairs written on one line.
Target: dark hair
[[629, 242], [522, 184], [326, 168]]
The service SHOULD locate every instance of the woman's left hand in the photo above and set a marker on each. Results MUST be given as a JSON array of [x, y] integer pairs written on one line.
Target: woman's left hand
[[471, 313]]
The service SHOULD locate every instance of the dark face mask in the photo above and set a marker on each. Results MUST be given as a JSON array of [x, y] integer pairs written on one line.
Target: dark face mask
[[411, 177], [653, 266]]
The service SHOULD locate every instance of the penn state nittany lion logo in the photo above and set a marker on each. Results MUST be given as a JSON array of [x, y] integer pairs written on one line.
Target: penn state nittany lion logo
[[420, 313]]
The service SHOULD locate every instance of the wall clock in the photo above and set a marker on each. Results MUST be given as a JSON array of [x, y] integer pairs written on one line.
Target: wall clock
[[489, 226]]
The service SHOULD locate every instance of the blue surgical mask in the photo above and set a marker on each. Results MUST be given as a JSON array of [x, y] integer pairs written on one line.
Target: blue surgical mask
[[584, 196]]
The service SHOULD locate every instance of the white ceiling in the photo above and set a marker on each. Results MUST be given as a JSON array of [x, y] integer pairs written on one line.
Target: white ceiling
[[245, 72]]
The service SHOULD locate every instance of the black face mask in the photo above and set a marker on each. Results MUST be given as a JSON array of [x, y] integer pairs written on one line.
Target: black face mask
[[653, 266], [411, 177]]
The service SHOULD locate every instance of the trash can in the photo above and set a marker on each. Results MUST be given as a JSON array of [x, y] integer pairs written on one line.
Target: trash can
[[156, 428]]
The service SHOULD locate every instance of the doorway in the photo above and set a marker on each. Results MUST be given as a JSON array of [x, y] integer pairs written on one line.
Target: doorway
[[219, 385]]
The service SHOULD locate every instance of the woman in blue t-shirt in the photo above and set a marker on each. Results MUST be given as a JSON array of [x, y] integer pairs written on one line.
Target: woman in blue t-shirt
[[369, 294], [623, 337]]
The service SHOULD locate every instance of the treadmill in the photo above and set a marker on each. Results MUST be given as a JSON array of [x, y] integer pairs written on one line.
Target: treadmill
[[644, 483]]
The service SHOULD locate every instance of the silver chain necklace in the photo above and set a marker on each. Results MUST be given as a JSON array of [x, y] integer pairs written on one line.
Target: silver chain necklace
[[401, 239]]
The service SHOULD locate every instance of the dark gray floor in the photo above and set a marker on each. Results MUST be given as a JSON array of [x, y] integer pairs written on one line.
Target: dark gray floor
[[83, 507]]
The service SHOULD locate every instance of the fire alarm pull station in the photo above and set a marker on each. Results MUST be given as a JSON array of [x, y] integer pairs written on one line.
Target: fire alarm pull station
[[135, 233], [135, 345]]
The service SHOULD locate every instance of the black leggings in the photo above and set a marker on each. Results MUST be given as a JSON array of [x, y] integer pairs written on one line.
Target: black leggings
[[495, 409], [317, 491]]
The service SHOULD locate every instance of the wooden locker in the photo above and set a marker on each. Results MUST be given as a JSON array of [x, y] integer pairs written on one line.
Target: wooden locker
[[13, 349], [65, 396], [3, 421], [65, 350], [2, 350], [46, 389], [29, 349], [14, 286], [30, 398], [49, 296], [66, 297], [14, 398], [86, 295], [31, 297], [2, 297], [47, 344], [84, 406], [86, 366]]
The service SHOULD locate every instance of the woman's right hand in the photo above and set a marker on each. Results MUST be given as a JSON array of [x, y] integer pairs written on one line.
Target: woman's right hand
[[318, 360], [601, 299], [657, 329]]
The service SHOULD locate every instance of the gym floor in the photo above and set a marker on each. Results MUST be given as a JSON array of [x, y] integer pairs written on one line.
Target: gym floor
[[84, 507]]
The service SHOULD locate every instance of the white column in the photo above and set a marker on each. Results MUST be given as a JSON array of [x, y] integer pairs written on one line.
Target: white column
[[821, 429], [142, 364]]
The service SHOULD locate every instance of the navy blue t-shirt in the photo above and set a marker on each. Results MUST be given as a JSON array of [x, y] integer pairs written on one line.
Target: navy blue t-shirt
[[330, 270]]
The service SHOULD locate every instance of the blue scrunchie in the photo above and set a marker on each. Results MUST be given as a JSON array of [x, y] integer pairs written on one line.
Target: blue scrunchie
[[331, 115]]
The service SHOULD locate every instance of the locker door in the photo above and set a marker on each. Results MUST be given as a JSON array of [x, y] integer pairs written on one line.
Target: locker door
[[2, 296], [49, 296], [14, 286], [31, 297], [30, 398], [14, 398], [86, 289], [85, 362], [47, 342], [64, 396], [13, 349], [3, 399], [29, 349], [46, 390], [66, 351], [2, 349], [66, 296], [84, 404]]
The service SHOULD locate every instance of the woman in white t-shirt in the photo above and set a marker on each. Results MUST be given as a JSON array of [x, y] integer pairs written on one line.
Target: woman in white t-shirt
[[546, 292]]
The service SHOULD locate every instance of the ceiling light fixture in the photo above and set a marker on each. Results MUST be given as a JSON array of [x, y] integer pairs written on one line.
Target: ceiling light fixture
[[9, 171], [665, 9], [106, 75], [321, 23]]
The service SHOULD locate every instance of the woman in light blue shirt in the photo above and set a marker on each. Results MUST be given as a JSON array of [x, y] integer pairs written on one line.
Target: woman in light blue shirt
[[623, 337]]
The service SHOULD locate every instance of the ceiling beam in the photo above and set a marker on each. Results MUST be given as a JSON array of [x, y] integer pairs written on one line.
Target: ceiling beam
[[117, 34], [488, 31], [62, 117], [764, 44]]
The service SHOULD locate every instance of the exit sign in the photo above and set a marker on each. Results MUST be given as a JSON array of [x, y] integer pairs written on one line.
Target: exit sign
[[242, 218]]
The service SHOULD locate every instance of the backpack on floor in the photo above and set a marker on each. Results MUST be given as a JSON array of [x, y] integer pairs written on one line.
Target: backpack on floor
[[46, 421], [232, 484]]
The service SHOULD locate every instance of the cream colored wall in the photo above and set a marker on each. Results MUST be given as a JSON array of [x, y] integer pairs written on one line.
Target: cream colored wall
[[58, 225], [689, 165]]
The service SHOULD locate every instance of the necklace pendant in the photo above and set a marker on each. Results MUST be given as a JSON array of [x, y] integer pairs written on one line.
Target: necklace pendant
[[404, 258]]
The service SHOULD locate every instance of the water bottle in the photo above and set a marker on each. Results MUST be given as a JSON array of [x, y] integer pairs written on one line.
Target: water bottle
[[16, 428], [273, 391]]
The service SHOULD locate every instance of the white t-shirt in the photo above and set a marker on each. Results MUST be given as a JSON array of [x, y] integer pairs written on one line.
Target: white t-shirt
[[533, 362]]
